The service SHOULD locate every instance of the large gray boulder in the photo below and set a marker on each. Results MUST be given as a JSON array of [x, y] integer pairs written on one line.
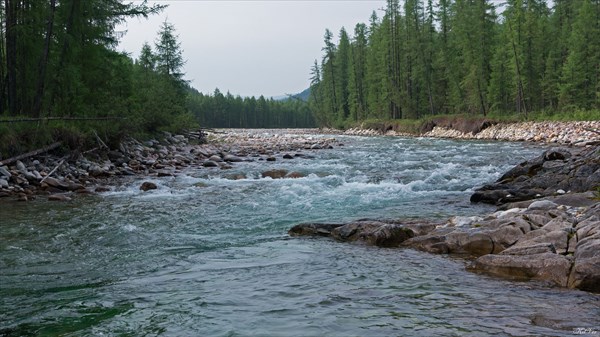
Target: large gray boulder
[[544, 266], [560, 169]]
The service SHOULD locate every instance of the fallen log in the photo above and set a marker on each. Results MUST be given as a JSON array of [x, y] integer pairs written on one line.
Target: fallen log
[[44, 119], [30, 154]]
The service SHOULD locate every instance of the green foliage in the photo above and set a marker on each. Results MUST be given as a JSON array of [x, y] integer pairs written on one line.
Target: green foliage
[[228, 111], [461, 56], [58, 60]]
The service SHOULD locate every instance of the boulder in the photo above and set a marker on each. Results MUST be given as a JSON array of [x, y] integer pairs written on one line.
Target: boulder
[[232, 159], [210, 163], [373, 233], [56, 183], [294, 175], [59, 197], [545, 266], [274, 174], [313, 229], [4, 172], [288, 156], [542, 205], [147, 185], [3, 183], [165, 173], [215, 158], [586, 270], [566, 169]]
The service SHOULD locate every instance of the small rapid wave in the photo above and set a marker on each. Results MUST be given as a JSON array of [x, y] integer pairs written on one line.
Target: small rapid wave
[[206, 253]]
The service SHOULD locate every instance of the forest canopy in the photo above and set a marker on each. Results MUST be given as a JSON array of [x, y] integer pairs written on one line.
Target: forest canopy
[[59, 67], [425, 57]]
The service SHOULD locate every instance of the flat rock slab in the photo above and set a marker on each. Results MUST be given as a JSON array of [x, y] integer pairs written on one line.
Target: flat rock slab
[[544, 266]]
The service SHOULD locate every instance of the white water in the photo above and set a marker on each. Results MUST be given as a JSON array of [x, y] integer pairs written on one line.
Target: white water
[[215, 260]]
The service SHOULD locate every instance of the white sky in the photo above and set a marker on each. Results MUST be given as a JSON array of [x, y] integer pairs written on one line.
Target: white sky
[[250, 48]]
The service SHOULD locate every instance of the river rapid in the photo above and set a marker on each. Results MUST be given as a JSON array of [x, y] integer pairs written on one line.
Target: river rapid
[[206, 255]]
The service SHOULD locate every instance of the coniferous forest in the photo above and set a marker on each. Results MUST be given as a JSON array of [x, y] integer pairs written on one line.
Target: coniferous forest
[[426, 57], [62, 78]]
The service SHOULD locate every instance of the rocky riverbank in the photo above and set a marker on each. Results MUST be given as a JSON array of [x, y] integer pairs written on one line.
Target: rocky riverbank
[[60, 178], [577, 133], [547, 226]]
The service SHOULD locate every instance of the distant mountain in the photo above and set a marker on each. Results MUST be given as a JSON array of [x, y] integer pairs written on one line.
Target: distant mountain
[[303, 96]]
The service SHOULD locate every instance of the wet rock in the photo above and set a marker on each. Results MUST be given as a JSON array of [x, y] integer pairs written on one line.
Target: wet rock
[[574, 170], [288, 156], [59, 197], [210, 163], [232, 159], [271, 159], [215, 158], [294, 175], [545, 266], [147, 185], [3, 183], [238, 176], [388, 235], [102, 189], [586, 270], [313, 229], [56, 183], [274, 174], [164, 173], [373, 233]]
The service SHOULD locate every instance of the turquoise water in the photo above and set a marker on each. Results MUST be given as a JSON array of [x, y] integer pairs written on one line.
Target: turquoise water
[[216, 260]]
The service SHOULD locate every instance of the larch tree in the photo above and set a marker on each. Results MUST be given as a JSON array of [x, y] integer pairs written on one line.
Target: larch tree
[[581, 74], [169, 55]]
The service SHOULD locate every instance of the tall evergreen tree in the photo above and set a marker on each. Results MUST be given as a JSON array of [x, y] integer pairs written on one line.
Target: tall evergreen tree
[[581, 74], [169, 55]]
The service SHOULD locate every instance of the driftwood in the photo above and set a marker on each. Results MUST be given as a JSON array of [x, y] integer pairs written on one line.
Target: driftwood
[[100, 142], [30, 154], [49, 174]]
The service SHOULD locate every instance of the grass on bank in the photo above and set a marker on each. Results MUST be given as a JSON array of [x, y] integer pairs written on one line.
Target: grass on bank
[[80, 135]]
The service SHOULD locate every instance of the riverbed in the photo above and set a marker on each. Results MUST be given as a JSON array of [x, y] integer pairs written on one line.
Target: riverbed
[[208, 255]]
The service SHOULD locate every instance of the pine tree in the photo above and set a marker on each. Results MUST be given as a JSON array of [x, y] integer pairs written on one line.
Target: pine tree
[[147, 59], [581, 73], [169, 55], [342, 69]]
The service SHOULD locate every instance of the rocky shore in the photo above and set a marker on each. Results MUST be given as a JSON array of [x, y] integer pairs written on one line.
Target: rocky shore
[[60, 178], [547, 226], [576, 133]]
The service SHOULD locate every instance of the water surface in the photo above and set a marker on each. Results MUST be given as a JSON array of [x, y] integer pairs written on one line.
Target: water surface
[[205, 255]]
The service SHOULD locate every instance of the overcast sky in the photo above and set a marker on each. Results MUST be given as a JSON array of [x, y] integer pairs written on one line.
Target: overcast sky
[[250, 48]]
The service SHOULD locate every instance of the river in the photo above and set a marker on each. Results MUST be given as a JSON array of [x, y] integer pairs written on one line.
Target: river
[[205, 255]]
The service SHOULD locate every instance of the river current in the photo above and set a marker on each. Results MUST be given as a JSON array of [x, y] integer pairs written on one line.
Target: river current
[[206, 255]]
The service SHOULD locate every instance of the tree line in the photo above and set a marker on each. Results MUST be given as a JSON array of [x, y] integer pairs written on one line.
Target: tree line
[[59, 65], [460, 56], [227, 111]]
